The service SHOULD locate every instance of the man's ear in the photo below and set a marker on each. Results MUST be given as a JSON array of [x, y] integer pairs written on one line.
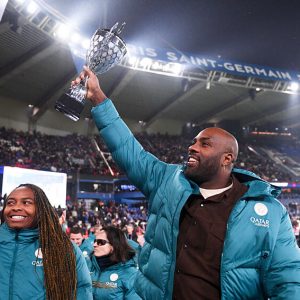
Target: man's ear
[[228, 159]]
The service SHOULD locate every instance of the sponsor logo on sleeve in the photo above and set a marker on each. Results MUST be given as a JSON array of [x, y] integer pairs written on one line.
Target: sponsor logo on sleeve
[[114, 277], [104, 285], [261, 210]]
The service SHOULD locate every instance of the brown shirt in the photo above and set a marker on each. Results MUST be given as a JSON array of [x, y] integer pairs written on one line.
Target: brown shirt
[[200, 244]]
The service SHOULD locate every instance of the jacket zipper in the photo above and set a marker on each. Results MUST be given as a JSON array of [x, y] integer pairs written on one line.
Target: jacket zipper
[[263, 263], [12, 268], [228, 228], [222, 275], [172, 252]]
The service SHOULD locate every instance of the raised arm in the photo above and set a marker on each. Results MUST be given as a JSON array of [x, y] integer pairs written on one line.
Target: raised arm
[[142, 168]]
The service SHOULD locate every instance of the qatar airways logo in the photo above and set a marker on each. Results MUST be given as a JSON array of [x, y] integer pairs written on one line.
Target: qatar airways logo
[[261, 210], [260, 222], [39, 256]]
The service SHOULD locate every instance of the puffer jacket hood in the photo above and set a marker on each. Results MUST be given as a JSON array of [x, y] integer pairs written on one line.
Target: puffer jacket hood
[[257, 186]]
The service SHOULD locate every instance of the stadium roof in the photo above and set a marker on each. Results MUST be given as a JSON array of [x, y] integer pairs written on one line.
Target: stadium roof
[[233, 70]]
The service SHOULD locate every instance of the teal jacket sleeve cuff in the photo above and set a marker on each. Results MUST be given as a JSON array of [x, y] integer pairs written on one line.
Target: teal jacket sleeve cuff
[[104, 114]]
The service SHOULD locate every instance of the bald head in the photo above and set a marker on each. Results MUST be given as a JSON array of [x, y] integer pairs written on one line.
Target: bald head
[[211, 157], [226, 140]]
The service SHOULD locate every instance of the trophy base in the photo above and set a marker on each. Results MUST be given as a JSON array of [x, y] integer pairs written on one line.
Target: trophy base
[[69, 106]]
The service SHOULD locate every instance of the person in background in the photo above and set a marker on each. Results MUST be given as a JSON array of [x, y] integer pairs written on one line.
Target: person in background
[[85, 245], [112, 266], [37, 259], [140, 236], [213, 231], [62, 219], [296, 229], [130, 232]]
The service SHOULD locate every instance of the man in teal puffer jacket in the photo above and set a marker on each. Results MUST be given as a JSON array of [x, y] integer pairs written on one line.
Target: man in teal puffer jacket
[[213, 232]]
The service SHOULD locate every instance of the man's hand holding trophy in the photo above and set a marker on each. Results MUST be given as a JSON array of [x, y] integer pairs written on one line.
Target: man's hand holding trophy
[[106, 50]]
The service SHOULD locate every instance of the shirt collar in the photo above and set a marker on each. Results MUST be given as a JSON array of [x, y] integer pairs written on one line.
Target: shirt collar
[[206, 193]]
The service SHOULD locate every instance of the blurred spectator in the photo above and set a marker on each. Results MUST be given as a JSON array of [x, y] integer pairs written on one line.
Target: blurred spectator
[[85, 245], [112, 266], [296, 229]]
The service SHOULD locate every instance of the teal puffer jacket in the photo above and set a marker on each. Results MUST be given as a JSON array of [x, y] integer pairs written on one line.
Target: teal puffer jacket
[[260, 258], [87, 246], [115, 282], [21, 267]]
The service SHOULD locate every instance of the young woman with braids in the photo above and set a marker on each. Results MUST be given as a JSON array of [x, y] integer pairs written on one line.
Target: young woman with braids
[[37, 259]]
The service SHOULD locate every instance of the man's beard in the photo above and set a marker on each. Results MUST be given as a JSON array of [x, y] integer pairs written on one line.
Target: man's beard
[[204, 172]]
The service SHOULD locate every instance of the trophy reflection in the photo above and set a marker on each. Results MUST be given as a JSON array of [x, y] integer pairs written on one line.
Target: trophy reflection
[[106, 50]]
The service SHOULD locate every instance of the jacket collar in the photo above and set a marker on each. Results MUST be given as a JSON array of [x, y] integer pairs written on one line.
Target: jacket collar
[[128, 263], [24, 235], [257, 187]]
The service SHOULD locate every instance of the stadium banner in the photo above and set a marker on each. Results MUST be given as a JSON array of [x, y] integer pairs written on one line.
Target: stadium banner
[[205, 63]]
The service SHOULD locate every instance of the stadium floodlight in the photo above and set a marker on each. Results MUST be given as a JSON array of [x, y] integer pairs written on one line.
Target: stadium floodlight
[[75, 38], [157, 65], [32, 7], [132, 60], [280, 184], [146, 62], [294, 86], [85, 43], [63, 31], [173, 68], [75, 51]]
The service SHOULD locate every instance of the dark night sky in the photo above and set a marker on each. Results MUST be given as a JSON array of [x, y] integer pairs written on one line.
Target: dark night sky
[[262, 32]]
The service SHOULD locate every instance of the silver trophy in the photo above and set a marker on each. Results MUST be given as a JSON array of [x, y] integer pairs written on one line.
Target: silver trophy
[[106, 50]]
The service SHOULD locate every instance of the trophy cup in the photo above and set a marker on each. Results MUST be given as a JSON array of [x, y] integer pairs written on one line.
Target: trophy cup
[[106, 50]]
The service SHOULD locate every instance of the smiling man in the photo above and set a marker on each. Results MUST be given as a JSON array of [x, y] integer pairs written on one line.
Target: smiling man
[[213, 232], [211, 157]]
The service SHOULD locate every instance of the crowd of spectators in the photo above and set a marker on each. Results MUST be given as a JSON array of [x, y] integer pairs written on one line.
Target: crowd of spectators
[[76, 154], [130, 220], [253, 161]]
